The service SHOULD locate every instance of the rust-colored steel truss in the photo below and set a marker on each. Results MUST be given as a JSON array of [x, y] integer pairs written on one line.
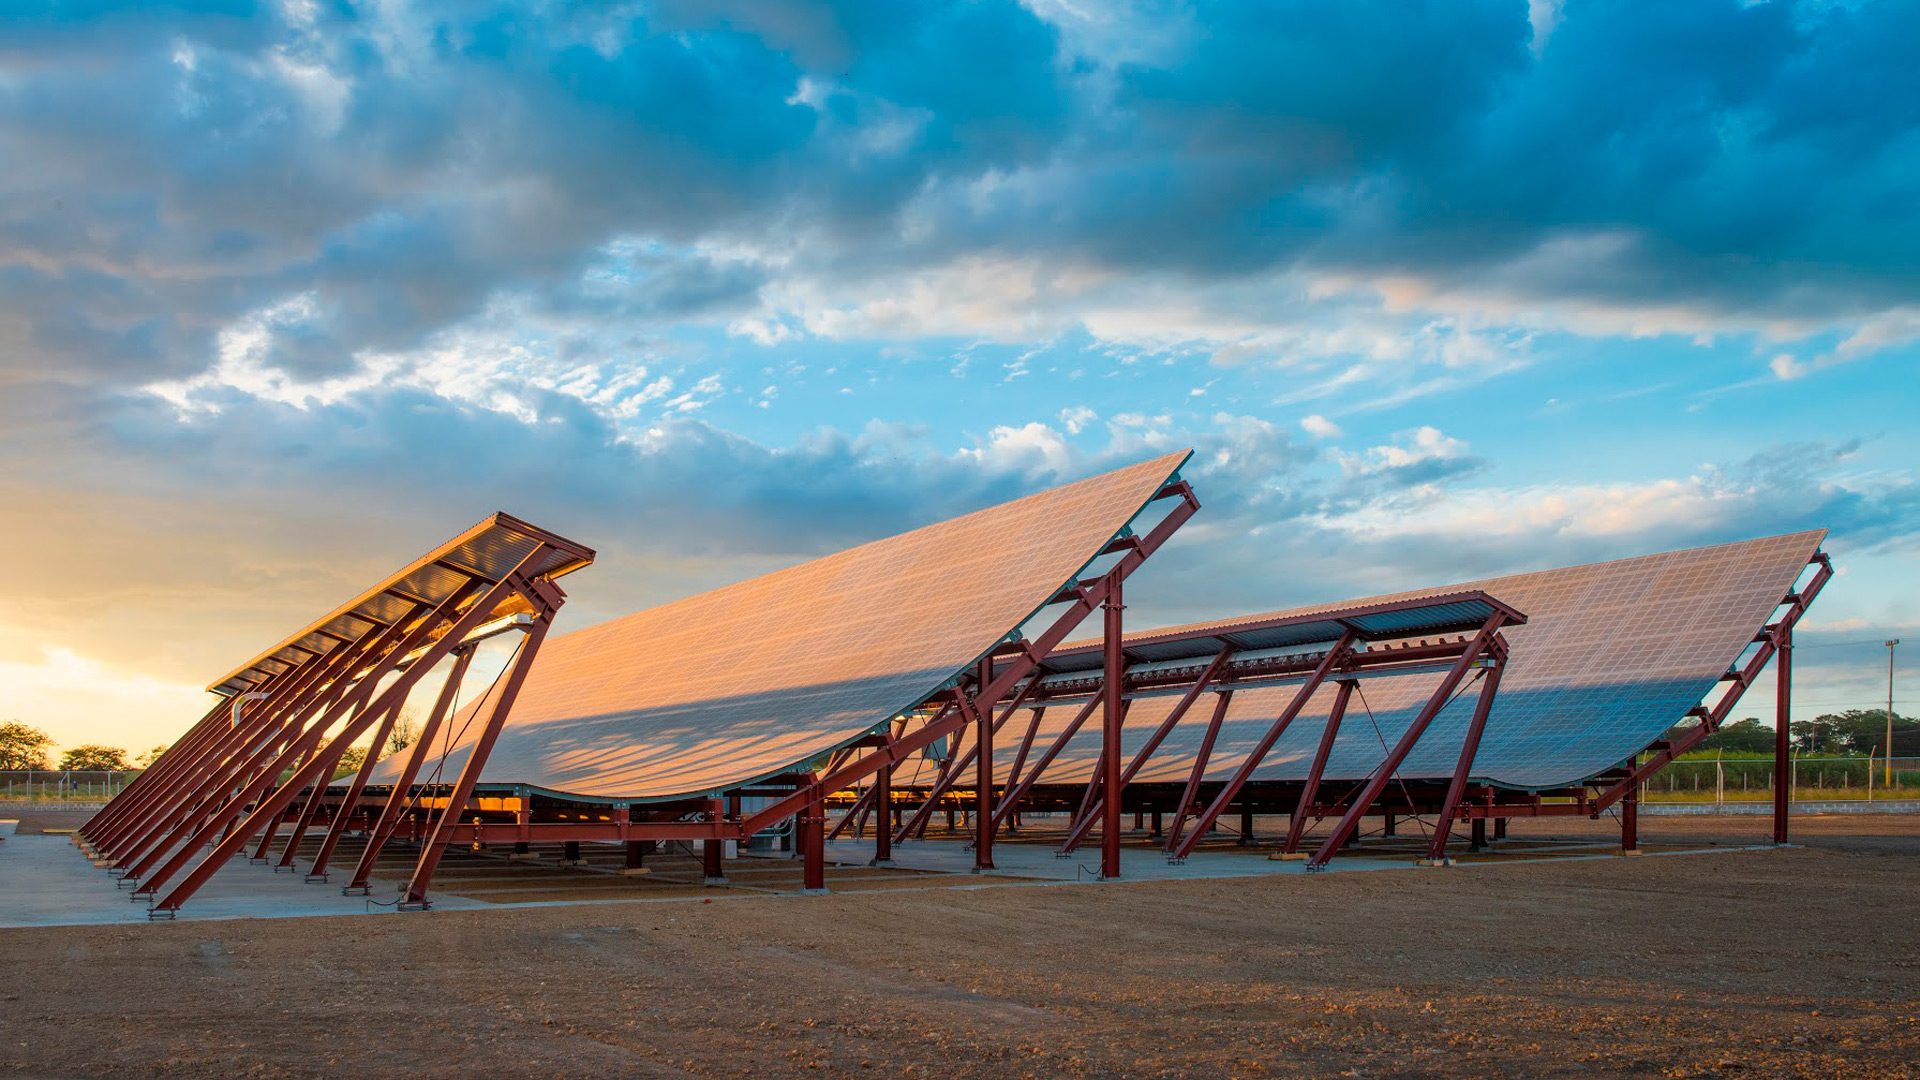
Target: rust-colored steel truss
[[260, 767], [291, 716]]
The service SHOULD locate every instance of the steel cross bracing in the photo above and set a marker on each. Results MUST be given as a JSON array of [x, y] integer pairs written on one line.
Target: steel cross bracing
[[236, 772]]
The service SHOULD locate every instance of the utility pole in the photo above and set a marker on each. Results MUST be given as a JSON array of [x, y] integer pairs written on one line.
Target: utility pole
[[1891, 642]]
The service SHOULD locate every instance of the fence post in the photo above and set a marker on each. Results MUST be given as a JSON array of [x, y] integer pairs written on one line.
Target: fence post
[[1719, 783]]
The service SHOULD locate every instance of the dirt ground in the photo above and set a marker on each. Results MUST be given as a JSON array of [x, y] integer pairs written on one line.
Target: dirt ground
[[1794, 962]]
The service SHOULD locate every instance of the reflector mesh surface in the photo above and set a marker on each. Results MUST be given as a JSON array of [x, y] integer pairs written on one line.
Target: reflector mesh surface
[[746, 681], [1611, 656]]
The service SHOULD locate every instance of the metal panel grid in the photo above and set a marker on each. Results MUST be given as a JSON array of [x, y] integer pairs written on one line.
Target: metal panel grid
[[489, 549], [1612, 655], [766, 675]]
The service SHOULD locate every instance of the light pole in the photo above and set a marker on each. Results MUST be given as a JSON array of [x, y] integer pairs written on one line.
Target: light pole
[[1891, 642]]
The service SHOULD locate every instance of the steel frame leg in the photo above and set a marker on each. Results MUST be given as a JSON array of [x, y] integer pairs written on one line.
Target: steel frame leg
[[388, 823], [1469, 747], [713, 851], [1782, 734], [1335, 656], [812, 822], [1191, 794], [1112, 729]]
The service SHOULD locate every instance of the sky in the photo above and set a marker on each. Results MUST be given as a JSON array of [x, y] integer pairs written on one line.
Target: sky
[[1436, 289]]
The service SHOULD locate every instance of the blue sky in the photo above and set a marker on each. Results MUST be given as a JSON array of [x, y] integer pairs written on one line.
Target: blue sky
[[288, 291]]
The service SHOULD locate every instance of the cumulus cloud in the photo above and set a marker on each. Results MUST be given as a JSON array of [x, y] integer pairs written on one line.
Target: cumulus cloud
[[1320, 427]]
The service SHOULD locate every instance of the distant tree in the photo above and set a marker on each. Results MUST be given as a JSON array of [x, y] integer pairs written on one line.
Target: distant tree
[[350, 761], [23, 747], [1856, 731], [94, 758], [405, 730], [146, 759], [1747, 736]]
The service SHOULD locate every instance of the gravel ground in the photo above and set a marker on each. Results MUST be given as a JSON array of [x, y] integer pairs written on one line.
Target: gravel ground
[[1796, 962]]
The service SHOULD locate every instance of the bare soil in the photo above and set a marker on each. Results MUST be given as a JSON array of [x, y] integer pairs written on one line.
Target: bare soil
[[1791, 962]]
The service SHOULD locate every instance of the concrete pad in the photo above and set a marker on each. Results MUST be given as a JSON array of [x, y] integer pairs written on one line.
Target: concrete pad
[[46, 881]]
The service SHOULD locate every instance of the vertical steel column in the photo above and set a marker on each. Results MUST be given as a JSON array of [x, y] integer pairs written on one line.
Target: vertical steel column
[[1112, 727], [1469, 746], [983, 778], [1297, 824], [813, 852], [883, 816], [1630, 817], [388, 822], [713, 850], [1782, 732], [1084, 824]]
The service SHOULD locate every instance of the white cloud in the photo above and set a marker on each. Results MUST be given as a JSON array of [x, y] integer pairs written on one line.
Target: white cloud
[[1320, 427], [1076, 418], [1423, 444]]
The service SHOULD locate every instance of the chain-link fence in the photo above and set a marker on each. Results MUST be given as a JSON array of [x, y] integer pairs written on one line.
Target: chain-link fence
[[63, 787], [1814, 779]]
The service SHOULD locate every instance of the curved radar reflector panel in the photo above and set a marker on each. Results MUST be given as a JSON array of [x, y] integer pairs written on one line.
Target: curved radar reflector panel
[[1612, 655], [765, 676]]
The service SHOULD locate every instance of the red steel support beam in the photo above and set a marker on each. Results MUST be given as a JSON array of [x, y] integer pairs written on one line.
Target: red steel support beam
[[1297, 823], [389, 821], [1086, 598], [1469, 746], [1191, 794], [237, 724], [269, 809], [983, 776], [350, 806], [714, 849], [883, 815], [154, 774], [1112, 729], [1015, 792], [245, 753], [335, 751], [813, 850], [546, 599], [1340, 654], [1782, 733], [1483, 642], [1085, 824], [1026, 745]]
